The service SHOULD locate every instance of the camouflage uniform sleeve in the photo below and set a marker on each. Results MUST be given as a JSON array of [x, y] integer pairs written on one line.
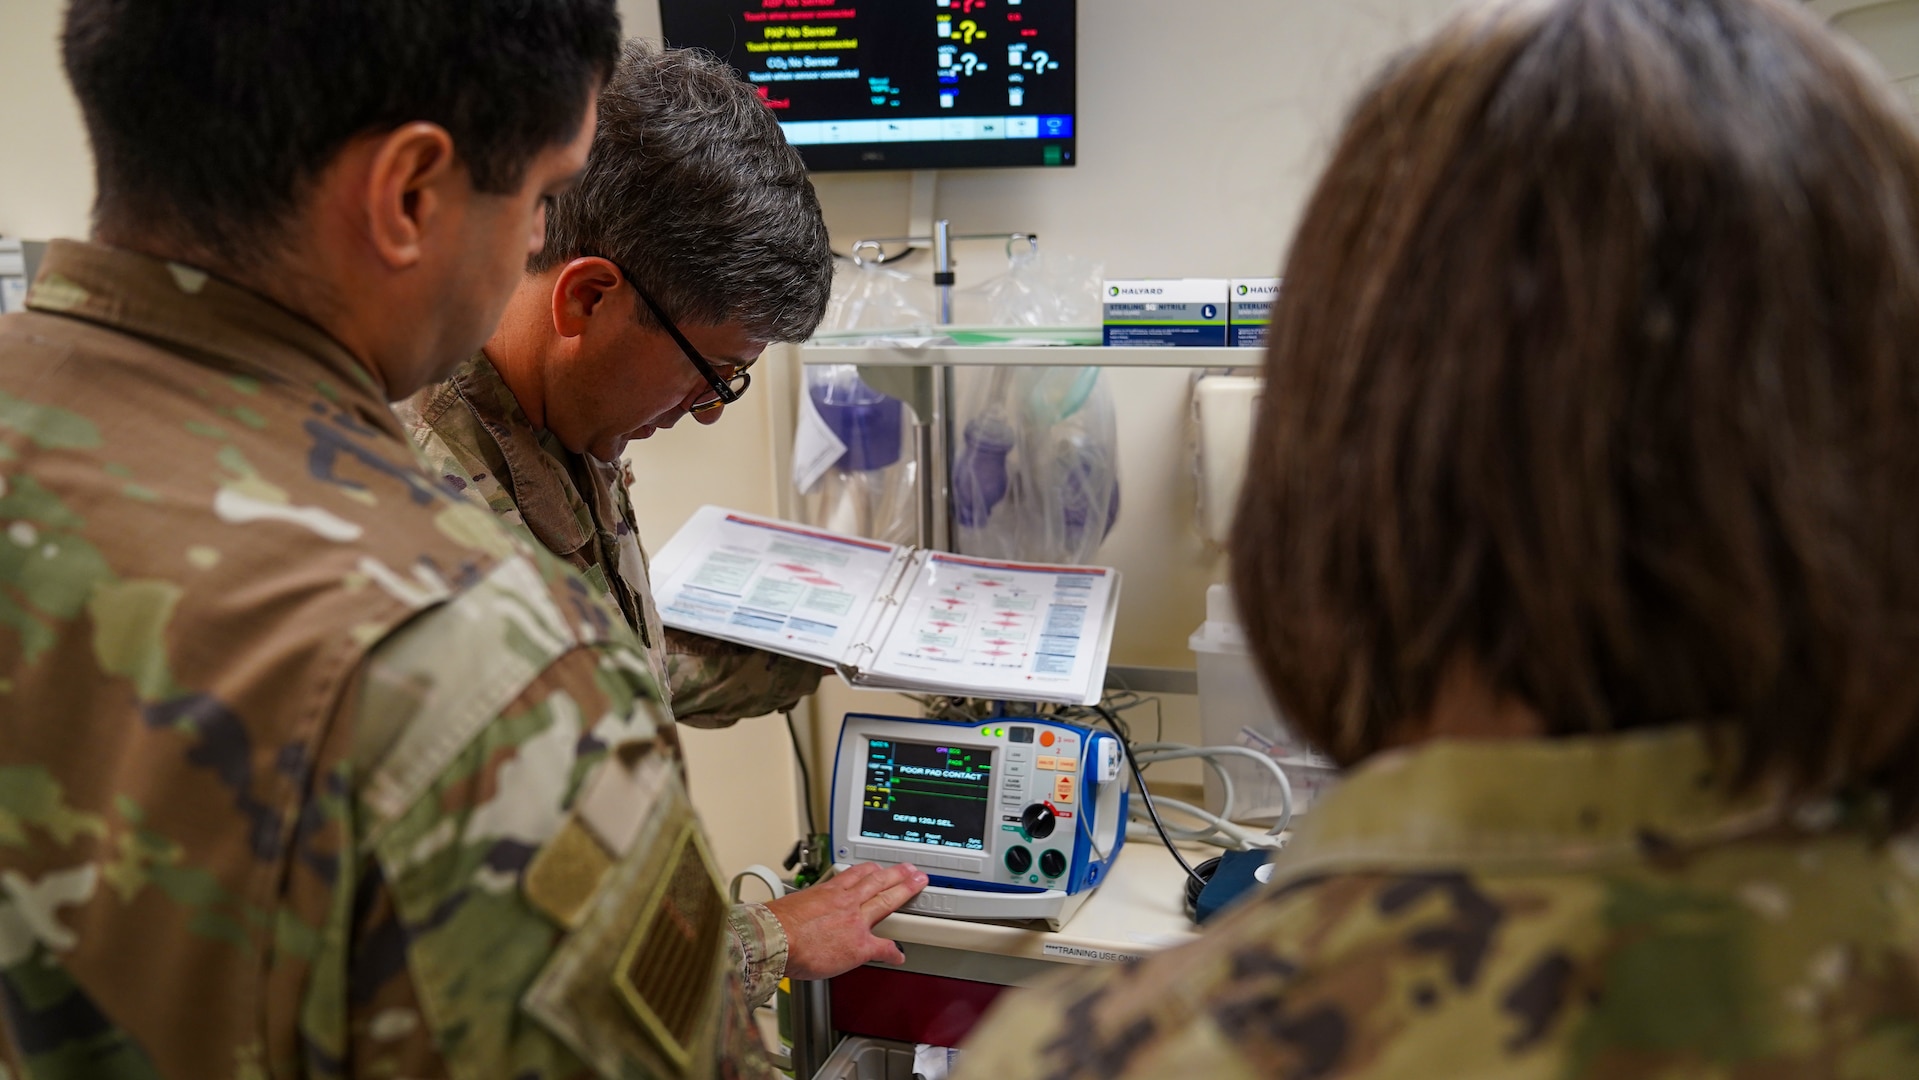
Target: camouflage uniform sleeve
[[758, 945], [716, 683], [535, 897]]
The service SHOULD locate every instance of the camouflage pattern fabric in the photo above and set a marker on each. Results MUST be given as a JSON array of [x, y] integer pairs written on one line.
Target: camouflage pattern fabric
[[1592, 907], [307, 768], [472, 432]]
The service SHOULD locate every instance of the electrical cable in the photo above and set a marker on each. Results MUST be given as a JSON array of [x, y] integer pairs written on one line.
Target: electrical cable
[[1152, 753], [1126, 747], [1218, 829], [1234, 838], [806, 777], [1203, 874]]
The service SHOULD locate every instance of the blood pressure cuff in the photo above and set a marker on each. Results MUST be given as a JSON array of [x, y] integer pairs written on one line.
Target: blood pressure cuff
[[1236, 876]]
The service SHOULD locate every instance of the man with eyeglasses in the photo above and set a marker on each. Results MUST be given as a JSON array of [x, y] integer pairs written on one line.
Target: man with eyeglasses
[[692, 241]]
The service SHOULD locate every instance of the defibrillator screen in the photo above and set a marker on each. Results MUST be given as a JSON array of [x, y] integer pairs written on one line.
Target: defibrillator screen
[[927, 793]]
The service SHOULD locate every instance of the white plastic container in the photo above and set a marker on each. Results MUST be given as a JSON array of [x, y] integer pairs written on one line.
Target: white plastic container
[[1235, 710]]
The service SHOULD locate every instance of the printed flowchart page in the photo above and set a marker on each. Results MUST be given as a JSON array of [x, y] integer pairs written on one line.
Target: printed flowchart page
[[774, 585]]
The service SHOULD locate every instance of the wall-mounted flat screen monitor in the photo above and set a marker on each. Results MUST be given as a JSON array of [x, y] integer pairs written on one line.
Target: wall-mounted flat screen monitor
[[901, 84]]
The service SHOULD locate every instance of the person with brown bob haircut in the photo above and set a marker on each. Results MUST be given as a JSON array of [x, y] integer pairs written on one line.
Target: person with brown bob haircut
[[1581, 528]]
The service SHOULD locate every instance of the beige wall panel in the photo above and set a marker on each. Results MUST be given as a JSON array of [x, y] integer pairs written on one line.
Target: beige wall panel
[[46, 173]]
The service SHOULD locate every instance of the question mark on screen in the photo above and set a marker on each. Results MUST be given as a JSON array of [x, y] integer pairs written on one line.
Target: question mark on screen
[[970, 61], [1040, 58], [969, 30]]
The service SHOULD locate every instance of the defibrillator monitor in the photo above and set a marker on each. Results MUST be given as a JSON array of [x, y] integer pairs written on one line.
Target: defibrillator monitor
[[1012, 818]]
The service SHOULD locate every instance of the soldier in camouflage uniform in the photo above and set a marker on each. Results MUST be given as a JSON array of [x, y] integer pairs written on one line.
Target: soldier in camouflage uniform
[[307, 767], [1579, 524], [691, 186]]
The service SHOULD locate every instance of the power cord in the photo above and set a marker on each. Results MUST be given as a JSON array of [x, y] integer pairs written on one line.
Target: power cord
[[1202, 874], [1126, 747], [806, 777], [1221, 822], [807, 861]]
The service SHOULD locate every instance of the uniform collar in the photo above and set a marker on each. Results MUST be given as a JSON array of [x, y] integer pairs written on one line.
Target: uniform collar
[[1530, 802], [195, 313], [536, 464]]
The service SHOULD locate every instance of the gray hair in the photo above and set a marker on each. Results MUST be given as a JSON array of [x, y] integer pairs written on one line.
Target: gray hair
[[692, 189]]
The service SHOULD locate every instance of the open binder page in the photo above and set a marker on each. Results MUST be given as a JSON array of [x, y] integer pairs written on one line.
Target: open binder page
[[996, 629], [776, 586]]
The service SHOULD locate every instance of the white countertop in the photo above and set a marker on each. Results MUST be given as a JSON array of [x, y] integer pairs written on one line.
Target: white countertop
[[1140, 908]]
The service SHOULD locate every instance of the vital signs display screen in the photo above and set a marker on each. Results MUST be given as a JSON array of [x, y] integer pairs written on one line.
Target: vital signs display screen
[[926, 793], [893, 84]]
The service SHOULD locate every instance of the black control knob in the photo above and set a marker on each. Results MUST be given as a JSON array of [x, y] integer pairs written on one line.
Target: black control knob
[[1038, 821], [1018, 860], [1052, 863]]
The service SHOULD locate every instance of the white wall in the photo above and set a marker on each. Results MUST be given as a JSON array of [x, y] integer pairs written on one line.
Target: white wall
[[1889, 31], [46, 174]]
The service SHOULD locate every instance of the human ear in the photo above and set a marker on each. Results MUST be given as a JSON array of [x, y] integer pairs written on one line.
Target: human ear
[[411, 183], [580, 293]]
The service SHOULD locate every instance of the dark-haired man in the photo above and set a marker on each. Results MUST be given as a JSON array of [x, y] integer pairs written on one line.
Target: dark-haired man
[[692, 241], [308, 768]]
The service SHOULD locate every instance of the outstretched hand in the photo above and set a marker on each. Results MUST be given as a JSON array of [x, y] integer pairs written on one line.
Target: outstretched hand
[[829, 926]]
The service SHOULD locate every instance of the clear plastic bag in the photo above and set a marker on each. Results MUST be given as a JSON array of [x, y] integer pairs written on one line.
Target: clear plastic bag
[[1037, 289], [868, 296], [1035, 467], [871, 490], [1036, 463]]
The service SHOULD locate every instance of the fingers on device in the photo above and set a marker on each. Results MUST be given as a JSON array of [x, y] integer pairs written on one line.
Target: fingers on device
[[1012, 818]]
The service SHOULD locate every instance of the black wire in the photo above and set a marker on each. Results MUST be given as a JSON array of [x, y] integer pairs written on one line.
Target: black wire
[[1126, 746], [806, 778], [1195, 885], [1120, 701]]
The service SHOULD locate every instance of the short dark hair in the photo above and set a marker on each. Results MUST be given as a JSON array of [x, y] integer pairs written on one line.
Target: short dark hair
[[212, 116], [692, 187], [1597, 371]]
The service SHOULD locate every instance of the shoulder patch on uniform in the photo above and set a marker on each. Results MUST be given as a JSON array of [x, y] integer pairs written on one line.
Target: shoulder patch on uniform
[[566, 874], [644, 985]]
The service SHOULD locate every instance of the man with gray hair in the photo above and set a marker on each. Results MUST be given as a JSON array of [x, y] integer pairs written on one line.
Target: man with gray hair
[[691, 242]]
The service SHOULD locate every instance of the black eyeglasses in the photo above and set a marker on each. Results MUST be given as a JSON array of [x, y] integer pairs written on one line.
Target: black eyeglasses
[[725, 391]]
